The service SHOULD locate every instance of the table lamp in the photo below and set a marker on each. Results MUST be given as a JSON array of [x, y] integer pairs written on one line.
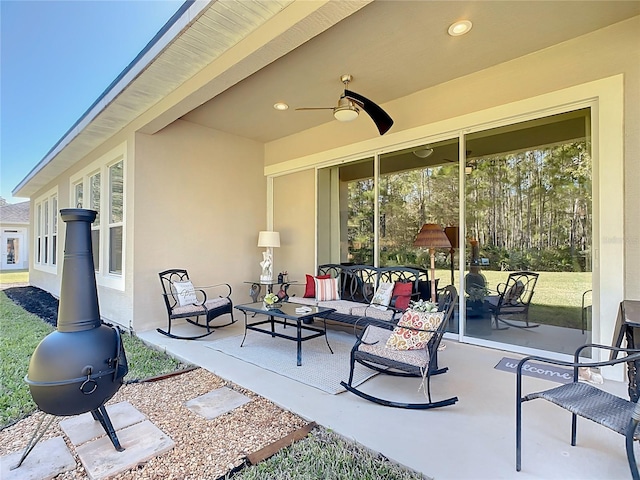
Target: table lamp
[[269, 240], [432, 236]]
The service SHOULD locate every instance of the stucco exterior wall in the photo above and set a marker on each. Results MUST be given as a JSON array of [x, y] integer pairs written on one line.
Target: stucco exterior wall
[[199, 205], [601, 54], [115, 303], [294, 194]]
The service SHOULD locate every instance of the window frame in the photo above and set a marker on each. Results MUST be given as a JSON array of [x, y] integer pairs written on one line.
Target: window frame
[[100, 170], [45, 255]]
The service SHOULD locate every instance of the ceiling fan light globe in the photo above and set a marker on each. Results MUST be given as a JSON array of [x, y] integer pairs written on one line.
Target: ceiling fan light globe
[[423, 152], [346, 113]]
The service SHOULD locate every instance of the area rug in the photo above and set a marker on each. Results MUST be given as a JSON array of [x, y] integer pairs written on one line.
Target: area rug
[[537, 370], [319, 369]]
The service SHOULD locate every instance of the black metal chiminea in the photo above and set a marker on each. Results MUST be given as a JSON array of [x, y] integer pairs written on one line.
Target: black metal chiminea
[[79, 367]]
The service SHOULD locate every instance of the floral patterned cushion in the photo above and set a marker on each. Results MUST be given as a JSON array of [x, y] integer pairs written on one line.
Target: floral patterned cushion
[[407, 339]]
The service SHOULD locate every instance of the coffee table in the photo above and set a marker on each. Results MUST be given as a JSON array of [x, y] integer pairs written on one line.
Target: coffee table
[[279, 315]]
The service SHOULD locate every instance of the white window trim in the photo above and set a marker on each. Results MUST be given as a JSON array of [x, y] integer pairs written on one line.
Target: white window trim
[[41, 202], [102, 165]]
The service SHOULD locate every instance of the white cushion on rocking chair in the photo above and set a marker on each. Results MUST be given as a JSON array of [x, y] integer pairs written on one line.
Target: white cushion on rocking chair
[[185, 293], [379, 336]]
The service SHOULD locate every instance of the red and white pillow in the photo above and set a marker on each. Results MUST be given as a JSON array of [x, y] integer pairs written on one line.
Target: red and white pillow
[[327, 289], [310, 287]]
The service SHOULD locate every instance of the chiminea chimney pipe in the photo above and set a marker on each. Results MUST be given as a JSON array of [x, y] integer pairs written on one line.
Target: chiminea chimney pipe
[[79, 309]]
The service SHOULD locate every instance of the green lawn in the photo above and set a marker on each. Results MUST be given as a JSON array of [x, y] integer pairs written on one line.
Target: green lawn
[[14, 276]]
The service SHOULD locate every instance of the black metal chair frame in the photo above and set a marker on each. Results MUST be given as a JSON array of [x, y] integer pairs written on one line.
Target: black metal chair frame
[[517, 305], [167, 278], [583, 399], [447, 303]]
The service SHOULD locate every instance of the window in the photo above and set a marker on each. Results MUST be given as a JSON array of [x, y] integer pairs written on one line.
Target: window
[[115, 217], [94, 201], [46, 228], [100, 187]]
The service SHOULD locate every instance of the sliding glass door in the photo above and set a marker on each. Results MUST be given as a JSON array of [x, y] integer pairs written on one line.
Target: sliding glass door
[[521, 259]]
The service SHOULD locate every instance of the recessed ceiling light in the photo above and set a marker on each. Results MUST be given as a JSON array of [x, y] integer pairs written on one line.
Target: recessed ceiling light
[[460, 28], [280, 106]]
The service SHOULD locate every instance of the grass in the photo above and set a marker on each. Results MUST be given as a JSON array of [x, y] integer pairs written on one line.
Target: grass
[[14, 276], [324, 454], [20, 334]]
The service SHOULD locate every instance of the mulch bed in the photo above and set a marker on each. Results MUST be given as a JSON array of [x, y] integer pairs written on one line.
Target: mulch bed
[[37, 301]]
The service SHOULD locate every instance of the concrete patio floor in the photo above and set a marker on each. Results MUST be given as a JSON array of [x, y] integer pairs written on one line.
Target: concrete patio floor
[[473, 439]]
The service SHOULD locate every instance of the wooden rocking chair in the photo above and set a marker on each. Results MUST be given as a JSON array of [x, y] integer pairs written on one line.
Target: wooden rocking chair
[[371, 351], [184, 301]]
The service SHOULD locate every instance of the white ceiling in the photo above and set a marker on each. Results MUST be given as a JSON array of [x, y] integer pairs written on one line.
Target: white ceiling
[[395, 48]]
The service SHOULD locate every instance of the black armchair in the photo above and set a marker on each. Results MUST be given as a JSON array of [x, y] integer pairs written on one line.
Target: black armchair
[[184, 301], [513, 299]]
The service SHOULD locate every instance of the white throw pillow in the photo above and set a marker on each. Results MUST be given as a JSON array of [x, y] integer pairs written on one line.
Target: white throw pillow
[[185, 293], [382, 297], [327, 289]]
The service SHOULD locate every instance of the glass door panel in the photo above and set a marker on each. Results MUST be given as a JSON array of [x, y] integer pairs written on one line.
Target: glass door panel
[[529, 209]]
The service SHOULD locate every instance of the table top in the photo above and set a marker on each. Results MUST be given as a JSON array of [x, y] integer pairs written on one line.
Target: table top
[[285, 310], [273, 282]]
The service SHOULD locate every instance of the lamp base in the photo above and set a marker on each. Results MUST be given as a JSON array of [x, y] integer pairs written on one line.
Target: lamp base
[[264, 279]]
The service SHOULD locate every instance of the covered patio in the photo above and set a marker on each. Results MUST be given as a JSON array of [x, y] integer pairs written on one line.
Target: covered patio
[[474, 438]]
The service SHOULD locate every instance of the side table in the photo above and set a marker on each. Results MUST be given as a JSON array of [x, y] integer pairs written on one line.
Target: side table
[[256, 288]]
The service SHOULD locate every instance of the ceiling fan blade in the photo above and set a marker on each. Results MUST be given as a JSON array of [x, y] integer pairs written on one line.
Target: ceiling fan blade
[[315, 108], [381, 118]]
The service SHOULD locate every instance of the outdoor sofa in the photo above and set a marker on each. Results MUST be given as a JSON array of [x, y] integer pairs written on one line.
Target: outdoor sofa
[[356, 289]]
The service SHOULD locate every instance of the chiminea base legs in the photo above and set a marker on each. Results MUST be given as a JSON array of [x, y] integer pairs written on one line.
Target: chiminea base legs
[[37, 435], [100, 414]]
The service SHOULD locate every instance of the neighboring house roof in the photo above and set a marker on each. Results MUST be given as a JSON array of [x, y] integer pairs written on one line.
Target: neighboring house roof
[[15, 213]]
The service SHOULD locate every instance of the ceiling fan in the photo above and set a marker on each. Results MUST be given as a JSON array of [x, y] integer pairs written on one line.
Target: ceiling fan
[[349, 106]]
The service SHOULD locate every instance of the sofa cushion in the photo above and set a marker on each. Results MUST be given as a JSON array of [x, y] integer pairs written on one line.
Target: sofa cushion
[[376, 339], [340, 306], [310, 287], [371, 312]]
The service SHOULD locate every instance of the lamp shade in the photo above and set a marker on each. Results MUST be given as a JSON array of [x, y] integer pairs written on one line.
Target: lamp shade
[[269, 239], [432, 236], [452, 235]]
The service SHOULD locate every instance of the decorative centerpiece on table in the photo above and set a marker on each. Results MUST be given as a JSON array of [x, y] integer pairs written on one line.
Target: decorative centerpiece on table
[[271, 300]]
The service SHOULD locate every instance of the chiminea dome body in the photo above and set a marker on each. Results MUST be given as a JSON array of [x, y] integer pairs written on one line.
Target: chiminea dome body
[[80, 366]]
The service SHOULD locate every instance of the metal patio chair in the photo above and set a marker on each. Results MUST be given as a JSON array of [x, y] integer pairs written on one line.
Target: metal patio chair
[[587, 401], [370, 350], [513, 299], [184, 301]]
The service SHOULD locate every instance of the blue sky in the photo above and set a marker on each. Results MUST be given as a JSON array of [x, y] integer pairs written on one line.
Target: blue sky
[[57, 57]]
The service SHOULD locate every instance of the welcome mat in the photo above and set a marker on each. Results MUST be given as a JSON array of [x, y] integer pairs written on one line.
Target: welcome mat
[[537, 370], [319, 369]]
